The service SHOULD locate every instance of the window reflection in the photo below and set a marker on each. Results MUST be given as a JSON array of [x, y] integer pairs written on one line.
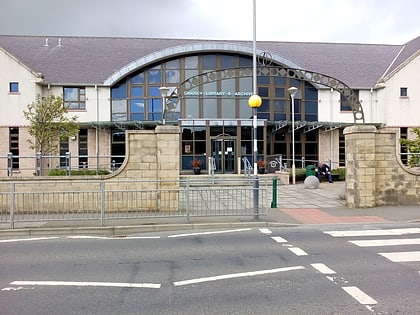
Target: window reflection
[[138, 97]]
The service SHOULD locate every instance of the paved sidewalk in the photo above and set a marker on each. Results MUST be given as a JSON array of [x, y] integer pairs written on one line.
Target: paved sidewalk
[[325, 205], [295, 205]]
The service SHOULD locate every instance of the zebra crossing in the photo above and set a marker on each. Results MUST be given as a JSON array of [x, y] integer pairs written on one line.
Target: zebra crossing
[[380, 238]]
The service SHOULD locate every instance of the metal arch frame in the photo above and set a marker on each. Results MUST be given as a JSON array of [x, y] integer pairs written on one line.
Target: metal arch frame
[[292, 73]]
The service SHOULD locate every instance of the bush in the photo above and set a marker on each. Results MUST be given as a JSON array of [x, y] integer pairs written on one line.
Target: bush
[[300, 174], [341, 172], [81, 172]]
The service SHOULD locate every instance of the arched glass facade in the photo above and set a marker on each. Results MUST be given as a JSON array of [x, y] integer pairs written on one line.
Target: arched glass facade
[[214, 116]]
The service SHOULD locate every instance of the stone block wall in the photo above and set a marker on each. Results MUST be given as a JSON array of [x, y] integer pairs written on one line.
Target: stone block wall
[[374, 173], [152, 161]]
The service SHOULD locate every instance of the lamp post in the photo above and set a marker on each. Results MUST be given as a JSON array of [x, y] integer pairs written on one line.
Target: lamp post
[[254, 102], [164, 93], [293, 90]]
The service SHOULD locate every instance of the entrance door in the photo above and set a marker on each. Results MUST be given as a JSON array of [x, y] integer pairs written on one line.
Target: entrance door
[[223, 151]]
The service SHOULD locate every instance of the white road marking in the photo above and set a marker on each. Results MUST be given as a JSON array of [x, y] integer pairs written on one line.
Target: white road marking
[[13, 289], [265, 231], [89, 284], [373, 232], [236, 275], [359, 295], [390, 242], [402, 256], [297, 251], [209, 233], [323, 269], [28, 239], [88, 237], [279, 239], [112, 238]]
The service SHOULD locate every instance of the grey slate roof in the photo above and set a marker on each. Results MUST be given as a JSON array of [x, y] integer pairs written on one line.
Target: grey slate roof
[[91, 60]]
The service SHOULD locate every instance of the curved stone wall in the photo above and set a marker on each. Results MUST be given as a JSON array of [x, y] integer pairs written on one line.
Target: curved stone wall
[[375, 175]]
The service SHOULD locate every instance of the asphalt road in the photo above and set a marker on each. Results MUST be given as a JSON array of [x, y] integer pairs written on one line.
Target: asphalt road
[[331, 269]]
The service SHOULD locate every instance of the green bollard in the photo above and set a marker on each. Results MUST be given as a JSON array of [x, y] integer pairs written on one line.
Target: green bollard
[[274, 199]]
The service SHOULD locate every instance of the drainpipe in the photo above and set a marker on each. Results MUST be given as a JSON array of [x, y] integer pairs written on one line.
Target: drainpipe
[[97, 130], [331, 131]]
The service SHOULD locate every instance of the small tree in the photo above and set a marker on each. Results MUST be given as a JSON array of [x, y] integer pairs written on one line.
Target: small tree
[[413, 146], [49, 123]]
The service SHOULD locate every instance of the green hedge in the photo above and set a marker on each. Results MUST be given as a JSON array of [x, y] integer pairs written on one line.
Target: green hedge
[[81, 172], [301, 174], [341, 172]]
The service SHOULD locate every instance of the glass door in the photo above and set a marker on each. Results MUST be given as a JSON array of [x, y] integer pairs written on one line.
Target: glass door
[[223, 151]]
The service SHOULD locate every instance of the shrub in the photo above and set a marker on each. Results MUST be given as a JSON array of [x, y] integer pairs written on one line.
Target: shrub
[[341, 172], [300, 174], [81, 172]]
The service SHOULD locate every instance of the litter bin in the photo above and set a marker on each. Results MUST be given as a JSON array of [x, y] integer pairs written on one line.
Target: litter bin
[[310, 170]]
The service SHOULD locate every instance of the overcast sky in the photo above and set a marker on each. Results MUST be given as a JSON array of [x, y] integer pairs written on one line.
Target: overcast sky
[[357, 21]]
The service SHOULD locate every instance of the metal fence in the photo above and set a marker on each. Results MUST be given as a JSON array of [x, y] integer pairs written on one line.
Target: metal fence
[[40, 201]]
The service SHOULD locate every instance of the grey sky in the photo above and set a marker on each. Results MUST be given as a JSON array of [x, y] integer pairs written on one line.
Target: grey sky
[[360, 21]]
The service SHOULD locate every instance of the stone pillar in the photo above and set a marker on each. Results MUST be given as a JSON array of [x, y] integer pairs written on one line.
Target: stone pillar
[[360, 166], [168, 164]]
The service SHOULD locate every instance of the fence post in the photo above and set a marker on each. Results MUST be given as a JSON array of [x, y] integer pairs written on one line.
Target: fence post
[[255, 189], [102, 201], [187, 197], [38, 164], [9, 164], [274, 194], [68, 163], [280, 162], [12, 205]]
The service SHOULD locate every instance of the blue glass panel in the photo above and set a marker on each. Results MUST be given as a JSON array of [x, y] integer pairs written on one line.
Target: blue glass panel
[[138, 78], [228, 61], [263, 116], [154, 91], [263, 91], [311, 93], [265, 106], [137, 117], [209, 62], [173, 64], [154, 105], [311, 117], [279, 92], [71, 94], [136, 106], [311, 107], [137, 91], [119, 91], [154, 116], [278, 116], [245, 62], [154, 76], [191, 62], [279, 80], [14, 87], [279, 106], [263, 80], [295, 83], [173, 76]]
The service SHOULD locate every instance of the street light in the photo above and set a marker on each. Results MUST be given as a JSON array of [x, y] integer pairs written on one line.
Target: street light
[[164, 93], [254, 102], [293, 90]]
